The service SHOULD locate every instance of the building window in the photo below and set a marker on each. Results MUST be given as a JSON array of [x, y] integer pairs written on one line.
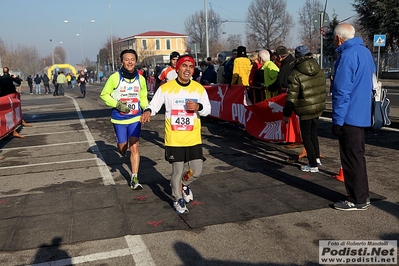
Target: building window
[[144, 44], [168, 46], [157, 44]]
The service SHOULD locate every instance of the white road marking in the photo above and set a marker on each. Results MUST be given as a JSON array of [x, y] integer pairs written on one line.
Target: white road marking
[[136, 246], [139, 250], [46, 145], [87, 258], [59, 162], [53, 133], [103, 168]]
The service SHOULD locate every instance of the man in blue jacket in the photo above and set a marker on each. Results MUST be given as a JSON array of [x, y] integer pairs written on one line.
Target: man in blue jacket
[[351, 101]]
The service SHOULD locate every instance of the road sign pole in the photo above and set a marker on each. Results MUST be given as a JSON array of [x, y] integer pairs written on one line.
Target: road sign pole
[[378, 61], [379, 40]]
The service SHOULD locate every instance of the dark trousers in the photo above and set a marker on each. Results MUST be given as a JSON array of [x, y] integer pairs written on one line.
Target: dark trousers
[[30, 88], [83, 90], [47, 88], [353, 162], [310, 139], [55, 89]]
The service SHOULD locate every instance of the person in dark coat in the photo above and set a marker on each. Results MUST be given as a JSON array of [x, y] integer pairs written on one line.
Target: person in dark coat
[[284, 60], [30, 83], [306, 96], [8, 83], [46, 82], [228, 67], [208, 73]]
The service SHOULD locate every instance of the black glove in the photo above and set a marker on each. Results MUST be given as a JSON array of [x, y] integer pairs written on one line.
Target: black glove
[[122, 107], [336, 129]]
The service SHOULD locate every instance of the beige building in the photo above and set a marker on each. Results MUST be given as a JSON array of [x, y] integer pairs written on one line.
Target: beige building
[[153, 47]]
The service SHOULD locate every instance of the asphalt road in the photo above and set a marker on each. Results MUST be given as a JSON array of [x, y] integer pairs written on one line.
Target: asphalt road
[[64, 197]]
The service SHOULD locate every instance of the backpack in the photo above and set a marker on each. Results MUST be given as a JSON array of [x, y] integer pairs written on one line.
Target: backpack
[[380, 106]]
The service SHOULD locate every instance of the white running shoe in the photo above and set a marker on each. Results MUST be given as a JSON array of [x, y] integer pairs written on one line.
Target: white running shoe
[[134, 183], [180, 206], [308, 168], [187, 194]]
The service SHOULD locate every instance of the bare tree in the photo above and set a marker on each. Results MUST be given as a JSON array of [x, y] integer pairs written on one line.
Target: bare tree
[[307, 32], [195, 28], [32, 63], [106, 52], [234, 40], [59, 55], [269, 23]]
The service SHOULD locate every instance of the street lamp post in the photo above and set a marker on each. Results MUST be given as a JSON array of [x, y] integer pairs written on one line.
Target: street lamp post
[[111, 40], [206, 28], [80, 35]]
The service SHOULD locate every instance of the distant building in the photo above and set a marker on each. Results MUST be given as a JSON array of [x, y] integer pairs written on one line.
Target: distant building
[[153, 47]]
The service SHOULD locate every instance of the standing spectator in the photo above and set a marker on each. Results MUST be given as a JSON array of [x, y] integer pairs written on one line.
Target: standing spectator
[[197, 74], [37, 81], [228, 67], [307, 97], [8, 83], [6, 72], [169, 72], [18, 83], [208, 73], [183, 141], [351, 113], [73, 78], [127, 106], [91, 76], [158, 70], [256, 65], [55, 84], [283, 59], [221, 61], [82, 81], [30, 83], [101, 75], [242, 67], [270, 72], [151, 83], [46, 83], [62, 83]]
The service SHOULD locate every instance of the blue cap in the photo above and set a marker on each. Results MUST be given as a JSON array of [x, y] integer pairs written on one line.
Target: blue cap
[[301, 51]]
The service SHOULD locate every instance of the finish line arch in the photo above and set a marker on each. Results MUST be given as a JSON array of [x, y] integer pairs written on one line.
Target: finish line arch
[[50, 70]]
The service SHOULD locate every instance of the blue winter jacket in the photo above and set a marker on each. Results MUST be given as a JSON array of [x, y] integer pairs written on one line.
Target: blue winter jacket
[[352, 84]]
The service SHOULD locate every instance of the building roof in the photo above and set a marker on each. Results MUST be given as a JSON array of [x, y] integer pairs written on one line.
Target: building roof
[[153, 34], [159, 34]]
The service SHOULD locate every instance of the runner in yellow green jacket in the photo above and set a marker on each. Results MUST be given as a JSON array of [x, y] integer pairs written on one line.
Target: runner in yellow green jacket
[[126, 92]]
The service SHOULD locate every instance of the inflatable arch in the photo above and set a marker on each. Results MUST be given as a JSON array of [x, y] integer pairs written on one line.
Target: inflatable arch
[[60, 66]]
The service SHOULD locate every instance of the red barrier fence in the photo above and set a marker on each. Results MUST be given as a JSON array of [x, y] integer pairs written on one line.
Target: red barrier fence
[[263, 120], [10, 113]]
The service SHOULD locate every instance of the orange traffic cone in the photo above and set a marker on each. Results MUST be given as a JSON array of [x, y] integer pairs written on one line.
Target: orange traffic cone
[[340, 176]]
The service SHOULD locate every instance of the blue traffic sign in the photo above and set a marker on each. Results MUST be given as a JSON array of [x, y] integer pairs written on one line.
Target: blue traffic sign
[[380, 40]]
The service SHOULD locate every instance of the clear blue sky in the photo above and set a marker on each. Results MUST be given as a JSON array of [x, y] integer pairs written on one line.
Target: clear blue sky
[[35, 22]]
